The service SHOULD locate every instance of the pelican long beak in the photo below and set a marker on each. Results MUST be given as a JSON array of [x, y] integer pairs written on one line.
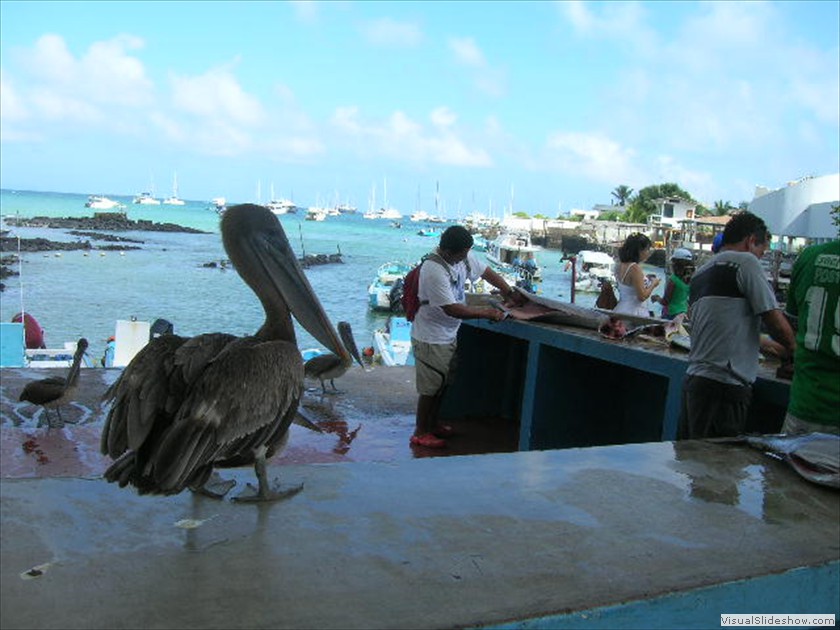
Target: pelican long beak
[[349, 342], [266, 243]]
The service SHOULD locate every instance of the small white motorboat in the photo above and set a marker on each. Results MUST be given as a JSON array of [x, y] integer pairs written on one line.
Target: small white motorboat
[[592, 268], [393, 343], [385, 291]]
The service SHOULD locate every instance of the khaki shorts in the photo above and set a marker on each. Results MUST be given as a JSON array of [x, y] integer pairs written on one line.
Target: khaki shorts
[[434, 366]]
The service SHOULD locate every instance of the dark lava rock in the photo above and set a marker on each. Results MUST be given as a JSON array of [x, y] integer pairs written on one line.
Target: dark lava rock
[[107, 221]]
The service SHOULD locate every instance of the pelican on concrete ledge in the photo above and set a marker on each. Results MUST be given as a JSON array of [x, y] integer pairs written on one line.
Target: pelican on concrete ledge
[[331, 366], [54, 391], [185, 406]]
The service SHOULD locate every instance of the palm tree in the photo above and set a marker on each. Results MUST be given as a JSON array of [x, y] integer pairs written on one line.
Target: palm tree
[[622, 193], [722, 207]]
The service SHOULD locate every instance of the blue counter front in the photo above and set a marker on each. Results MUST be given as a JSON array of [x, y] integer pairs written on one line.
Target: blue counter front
[[569, 387]]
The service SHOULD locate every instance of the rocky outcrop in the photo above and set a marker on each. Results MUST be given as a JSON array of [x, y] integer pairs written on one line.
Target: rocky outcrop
[[107, 221]]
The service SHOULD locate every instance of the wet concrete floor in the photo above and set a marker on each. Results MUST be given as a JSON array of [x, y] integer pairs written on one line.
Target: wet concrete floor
[[370, 420]]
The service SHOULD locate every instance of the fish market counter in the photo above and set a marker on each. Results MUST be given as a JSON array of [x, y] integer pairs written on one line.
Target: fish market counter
[[567, 386], [657, 535]]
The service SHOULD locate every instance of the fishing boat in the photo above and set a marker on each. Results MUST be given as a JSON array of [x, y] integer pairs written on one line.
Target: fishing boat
[[428, 231], [512, 253], [386, 289], [55, 357], [591, 269], [393, 343], [479, 243], [100, 202], [508, 246]]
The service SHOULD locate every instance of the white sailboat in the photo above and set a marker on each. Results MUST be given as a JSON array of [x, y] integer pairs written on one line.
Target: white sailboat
[[387, 212], [174, 200]]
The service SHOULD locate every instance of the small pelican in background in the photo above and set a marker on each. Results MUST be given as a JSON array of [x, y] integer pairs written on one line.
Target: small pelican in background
[[52, 392], [331, 366], [183, 407]]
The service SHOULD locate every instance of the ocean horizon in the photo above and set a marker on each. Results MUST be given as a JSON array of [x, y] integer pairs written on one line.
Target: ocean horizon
[[83, 293]]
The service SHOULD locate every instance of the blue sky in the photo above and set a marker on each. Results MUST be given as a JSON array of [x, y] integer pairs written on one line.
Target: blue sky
[[548, 105]]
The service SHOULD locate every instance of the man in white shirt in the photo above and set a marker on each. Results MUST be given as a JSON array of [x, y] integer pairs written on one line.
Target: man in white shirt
[[434, 332]]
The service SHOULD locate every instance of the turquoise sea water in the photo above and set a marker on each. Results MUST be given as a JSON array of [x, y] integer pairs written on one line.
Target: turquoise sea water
[[73, 295]]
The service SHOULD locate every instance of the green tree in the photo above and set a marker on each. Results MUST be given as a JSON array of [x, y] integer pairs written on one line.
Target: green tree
[[521, 215], [722, 207], [644, 204], [611, 215], [623, 194]]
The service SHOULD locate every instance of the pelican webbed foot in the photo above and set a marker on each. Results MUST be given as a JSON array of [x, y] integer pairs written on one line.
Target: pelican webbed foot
[[265, 492], [216, 487], [261, 494]]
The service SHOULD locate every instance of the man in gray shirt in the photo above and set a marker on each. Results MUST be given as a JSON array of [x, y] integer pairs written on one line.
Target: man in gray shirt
[[730, 298]]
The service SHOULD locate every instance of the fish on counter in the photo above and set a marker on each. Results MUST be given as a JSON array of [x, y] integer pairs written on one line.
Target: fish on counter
[[815, 456]]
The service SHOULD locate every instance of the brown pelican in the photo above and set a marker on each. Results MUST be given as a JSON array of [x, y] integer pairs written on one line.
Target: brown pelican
[[52, 392], [330, 366], [184, 406]]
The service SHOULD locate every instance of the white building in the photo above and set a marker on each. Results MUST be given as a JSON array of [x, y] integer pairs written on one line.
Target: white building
[[586, 215], [671, 211], [800, 209]]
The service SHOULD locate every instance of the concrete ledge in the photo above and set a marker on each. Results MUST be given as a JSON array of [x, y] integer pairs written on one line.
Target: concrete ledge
[[510, 540]]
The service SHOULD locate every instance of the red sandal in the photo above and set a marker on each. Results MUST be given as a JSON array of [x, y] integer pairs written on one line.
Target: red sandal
[[427, 440]]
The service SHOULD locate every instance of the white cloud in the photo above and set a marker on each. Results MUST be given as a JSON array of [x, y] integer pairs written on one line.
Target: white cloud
[[12, 108], [401, 138], [391, 33], [699, 184], [486, 78], [594, 156], [216, 94], [105, 86], [305, 10], [443, 117], [105, 73], [467, 52], [621, 22]]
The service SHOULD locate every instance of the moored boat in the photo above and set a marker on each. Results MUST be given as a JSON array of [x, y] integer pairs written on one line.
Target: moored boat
[[281, 206], [219, 204], [315, 213], [385, 291], [393, 343], [101, 202], [592, 268], [173, 199], [146, 199], [513, 253]]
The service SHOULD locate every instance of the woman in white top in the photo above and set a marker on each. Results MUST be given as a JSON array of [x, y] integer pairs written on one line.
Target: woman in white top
[[633, 286]]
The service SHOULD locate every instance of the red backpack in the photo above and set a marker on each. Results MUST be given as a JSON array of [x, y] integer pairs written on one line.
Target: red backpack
[[410, 299]]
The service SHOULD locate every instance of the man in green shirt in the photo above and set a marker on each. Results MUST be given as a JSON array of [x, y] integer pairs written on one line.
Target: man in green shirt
[[813, 304]]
